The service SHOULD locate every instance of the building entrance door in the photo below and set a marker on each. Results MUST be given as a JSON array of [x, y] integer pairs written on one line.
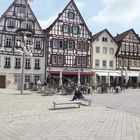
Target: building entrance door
[[2, 81]]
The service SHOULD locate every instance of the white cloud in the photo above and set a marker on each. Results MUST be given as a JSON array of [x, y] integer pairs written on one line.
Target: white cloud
[[121, 11]]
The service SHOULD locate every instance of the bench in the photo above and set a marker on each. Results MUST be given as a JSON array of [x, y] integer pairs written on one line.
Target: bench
[[86, 100], [63, 103]]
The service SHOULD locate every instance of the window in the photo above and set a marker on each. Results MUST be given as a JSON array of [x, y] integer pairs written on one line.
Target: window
[[18, 40], [54, 59], [8, 42], [0, 40], [37, 64], [85, 46], [7, 62], [57, 43], [123, 47], [79, 45], [104, 63], [65, 28], [139, 49], [127, 48], [17, 78], [21, 10], [135, 48], [27, 78], [78, 62], [97, 63], [0, 61], [28, 42], [36, 78], [104, 50], [125, 63], [119, 62], [11, 23], [111, 64], [104, 39], [97, 49], [71, 15], [84, 61], [70, 45], [17, 62], [135, 63], [27, 63], [75, 29], [111, 50], [29, 25], [60, 59], [38, 45]]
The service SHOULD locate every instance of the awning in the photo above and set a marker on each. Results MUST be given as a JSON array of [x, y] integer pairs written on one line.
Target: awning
[[71, 73], [132, 74], [108, 73]]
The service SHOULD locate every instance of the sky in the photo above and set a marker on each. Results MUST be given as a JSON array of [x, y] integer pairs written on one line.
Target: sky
[[115, 15]]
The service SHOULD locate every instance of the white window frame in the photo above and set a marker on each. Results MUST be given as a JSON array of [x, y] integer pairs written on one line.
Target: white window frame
[[104, 50], [111, 63], [104, 63], [27, 63], [97, 49], [17, 62], [7, 62], [17, 78], [37, 63], [8, 41], [111, 50], [97, 63]]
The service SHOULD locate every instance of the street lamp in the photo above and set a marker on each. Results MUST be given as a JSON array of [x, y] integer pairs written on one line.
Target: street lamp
[[25, 49]]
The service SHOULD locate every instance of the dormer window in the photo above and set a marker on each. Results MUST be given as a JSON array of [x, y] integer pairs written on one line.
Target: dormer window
[[71, 15]]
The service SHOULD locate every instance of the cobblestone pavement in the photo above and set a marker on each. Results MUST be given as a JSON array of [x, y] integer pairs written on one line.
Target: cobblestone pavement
[[30, 117]]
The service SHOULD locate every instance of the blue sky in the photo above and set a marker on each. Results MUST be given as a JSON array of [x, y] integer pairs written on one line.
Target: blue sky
[[115, 15]]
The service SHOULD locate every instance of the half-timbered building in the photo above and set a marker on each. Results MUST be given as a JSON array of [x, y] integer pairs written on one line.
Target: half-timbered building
[[11, 27], [128, 55], [69, 46]]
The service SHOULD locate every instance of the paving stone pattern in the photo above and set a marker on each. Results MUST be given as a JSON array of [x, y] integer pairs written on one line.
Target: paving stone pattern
[[30, 117]]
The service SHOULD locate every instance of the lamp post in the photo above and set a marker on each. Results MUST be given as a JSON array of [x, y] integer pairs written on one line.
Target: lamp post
[[122, 78], [25, 49]]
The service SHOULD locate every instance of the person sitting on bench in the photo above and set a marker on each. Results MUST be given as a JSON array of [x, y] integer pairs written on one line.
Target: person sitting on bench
[[77, 95]]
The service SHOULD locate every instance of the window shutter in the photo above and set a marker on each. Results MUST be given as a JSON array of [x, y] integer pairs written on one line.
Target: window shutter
[[87, 47], [73, 45], [62, 28], [65, 45], [64, 61], [78, 30], [70, 29], [51, 43]]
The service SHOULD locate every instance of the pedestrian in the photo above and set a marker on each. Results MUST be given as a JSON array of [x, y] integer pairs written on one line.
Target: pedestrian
[[39, 84], [77, 95]]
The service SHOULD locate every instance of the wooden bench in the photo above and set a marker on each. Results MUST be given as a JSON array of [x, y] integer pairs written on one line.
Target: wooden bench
[[86, 100], [63, 103]]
